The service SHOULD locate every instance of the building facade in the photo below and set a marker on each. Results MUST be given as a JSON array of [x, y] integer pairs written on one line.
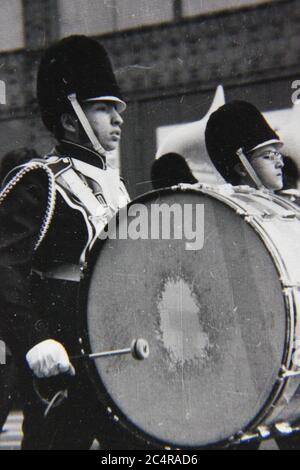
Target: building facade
[[169, 57]]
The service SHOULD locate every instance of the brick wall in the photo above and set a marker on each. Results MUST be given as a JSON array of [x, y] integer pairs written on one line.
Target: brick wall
[[237, 48]]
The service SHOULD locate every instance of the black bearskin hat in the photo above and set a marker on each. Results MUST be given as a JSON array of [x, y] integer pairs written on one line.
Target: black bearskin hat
[[169, 170], [235, 125], [76, 64]]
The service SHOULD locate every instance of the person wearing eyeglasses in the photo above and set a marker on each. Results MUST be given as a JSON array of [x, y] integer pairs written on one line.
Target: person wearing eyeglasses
[[267, 162], [244, 148], [247, 151]]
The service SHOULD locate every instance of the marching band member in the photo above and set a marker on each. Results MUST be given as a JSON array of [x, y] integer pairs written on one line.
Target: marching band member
[[51, 212], [243, 147], [246, 151]]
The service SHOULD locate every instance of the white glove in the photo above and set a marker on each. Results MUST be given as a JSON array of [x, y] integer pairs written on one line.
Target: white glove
[[49, 358]]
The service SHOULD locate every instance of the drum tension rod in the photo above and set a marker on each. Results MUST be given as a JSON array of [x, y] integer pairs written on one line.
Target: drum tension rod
[[282, 429], [286, 373], [260, 434], [139, 350]]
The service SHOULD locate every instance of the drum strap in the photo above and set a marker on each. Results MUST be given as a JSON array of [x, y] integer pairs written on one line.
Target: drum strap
[[98, 213]]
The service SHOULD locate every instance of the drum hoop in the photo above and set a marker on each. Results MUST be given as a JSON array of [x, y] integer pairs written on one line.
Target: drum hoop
[[283, 202], [112, 409], [257, 226]]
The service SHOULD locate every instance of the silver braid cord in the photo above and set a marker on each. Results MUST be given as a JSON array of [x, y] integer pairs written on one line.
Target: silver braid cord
[[51, 195]]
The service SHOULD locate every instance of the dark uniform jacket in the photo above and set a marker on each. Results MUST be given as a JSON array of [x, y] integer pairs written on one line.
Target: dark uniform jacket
[[35, 304]]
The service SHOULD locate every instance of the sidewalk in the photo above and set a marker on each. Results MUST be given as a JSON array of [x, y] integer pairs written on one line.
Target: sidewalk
[[11, 438]]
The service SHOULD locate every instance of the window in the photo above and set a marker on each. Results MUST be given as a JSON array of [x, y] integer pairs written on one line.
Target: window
[[95, 17], [90, 17], [134, 13], [195, 7], [11, 25]]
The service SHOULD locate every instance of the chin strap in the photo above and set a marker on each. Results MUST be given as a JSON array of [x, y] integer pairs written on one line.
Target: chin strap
[[85, 124], [246, 164]]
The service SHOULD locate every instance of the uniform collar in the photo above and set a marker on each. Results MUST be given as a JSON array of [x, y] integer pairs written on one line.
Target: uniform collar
[[70, 149]]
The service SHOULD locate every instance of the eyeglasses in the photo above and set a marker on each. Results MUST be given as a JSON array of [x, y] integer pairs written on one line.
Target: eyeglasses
[[272, 156]]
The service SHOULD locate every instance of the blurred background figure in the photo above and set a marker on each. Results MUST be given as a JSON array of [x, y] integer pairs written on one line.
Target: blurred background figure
[[171, 169], [290, 181], [290, 174]]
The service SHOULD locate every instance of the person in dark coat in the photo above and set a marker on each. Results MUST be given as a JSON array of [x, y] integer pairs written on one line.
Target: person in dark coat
[[51, 213], [8, 371]]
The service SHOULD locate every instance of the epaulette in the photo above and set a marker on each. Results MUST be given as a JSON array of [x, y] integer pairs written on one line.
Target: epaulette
[[21, 172], [56, 164]]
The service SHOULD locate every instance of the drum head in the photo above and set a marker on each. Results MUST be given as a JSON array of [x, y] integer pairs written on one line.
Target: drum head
[[214, 318]]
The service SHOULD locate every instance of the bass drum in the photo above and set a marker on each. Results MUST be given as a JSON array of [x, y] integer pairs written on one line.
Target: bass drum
[[220, 319]]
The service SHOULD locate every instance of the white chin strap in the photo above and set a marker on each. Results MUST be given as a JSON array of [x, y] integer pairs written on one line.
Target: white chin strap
[[249, 169], [86, 125]]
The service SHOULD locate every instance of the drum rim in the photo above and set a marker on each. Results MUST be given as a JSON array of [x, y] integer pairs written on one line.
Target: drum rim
[[115, 413]]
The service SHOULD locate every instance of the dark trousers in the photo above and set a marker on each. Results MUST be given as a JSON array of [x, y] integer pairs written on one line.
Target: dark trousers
[[70, 426], [74, 424]]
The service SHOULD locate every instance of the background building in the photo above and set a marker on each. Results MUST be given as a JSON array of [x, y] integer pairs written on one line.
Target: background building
[[169, 56]]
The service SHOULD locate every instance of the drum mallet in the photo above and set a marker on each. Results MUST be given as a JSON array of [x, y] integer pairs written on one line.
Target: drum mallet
[[139, 350]]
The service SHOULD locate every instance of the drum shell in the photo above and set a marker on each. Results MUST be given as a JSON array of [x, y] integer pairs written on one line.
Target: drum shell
[[259, 228]]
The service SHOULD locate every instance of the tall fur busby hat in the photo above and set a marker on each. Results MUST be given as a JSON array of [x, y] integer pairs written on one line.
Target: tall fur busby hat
[[76, 64], [235, 125], [169, 170]]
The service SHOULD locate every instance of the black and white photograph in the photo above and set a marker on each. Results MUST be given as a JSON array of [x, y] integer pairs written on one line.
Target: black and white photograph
[[149, 227]]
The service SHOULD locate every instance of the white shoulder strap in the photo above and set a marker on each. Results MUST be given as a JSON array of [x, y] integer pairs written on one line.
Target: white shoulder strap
[[97, 213]]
